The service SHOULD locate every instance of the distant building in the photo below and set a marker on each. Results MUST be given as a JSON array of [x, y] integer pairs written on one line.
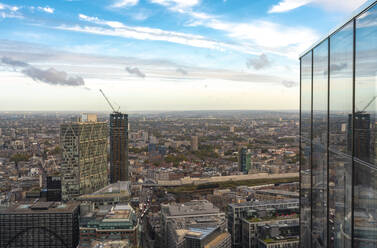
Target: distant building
[[194, 143], [244, 160], [54, 188], [110, 244], [109, 223], [238, 211], [207, 238], [109, 195], [40, 225], [270, 226], [118, 147], [231, 129], [193, 220], [84, 156]]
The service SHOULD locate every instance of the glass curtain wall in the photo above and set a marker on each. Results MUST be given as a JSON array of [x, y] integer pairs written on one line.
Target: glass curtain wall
[[319, 145], [305, 148], [338, 137], [365, 166]]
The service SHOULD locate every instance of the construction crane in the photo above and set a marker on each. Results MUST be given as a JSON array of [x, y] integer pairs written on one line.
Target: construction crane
[[108, 101], [369, 103]]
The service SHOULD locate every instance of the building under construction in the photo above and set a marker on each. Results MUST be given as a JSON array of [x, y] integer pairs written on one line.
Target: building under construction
[[118, 144], [84, 156], [118, 147]]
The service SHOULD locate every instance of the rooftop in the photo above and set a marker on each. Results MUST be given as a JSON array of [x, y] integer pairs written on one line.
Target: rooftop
[[200, 233], [42, 207], [111, 191], [217, 240], [264, 203], [196, 207]]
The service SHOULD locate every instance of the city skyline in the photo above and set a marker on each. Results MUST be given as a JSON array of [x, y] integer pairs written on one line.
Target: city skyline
[[158, 54]]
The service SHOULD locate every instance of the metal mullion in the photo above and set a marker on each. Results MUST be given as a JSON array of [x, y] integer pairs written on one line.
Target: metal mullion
[[353, 130], [311, 151], [328, 142], [299, 157]]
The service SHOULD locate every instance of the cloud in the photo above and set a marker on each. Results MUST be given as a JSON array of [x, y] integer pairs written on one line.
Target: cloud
[[91, 67], [53, 77], [177, 4], [115, 28], [124, 3], [288, 84], [338, 67], [265, 36], [135, 71], [258, 63], [9, 7], [10, 11], [287, 5], [46, 9], [182, 71], [50, 76], [14, 63]]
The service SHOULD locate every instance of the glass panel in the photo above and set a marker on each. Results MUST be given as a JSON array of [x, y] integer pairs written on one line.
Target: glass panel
[[365, 186], [366, 86], [340, 139], [306, 84], [365, 206], [319, 162]]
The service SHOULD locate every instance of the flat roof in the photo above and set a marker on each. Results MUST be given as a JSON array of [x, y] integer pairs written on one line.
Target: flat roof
[[216, 241], [355, 13], [41, 207]]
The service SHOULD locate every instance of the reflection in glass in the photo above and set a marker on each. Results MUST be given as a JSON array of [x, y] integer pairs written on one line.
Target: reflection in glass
[[365, 206], [305, 147], [365, 185], [340, 137], [319, 161]]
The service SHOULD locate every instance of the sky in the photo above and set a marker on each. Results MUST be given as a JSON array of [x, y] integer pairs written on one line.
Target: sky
[[158, 54]]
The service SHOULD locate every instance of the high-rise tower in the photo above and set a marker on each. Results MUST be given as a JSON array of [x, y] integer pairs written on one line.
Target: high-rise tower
[[118, 147], [118, 144], [338, 158], [84, 156]]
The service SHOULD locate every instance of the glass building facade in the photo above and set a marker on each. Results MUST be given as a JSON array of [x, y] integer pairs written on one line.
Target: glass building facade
[[338, 136]]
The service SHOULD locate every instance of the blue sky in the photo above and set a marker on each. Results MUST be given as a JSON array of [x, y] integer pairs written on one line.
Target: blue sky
[[158, 54]]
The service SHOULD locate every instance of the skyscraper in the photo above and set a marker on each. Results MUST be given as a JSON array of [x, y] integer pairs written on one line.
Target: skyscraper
[[244, 160], [118, 147], [84, 156], [338, 170]]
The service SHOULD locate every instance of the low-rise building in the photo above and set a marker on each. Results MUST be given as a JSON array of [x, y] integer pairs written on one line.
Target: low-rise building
[[238, 211], [179, 221], [109, 223]]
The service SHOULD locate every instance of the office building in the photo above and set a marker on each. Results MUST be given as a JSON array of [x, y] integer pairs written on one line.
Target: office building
[[238, 211], [338, 169], [84, 156], [195, 218], [270, 226], [109, 223], [244, 160], [194, 143], [118, 147], [54, 188], [40, 225], [212, 237]]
